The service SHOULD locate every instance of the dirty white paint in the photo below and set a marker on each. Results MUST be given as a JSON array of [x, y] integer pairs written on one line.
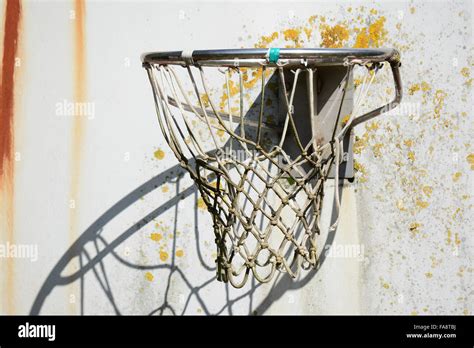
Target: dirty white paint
[[144, 246]]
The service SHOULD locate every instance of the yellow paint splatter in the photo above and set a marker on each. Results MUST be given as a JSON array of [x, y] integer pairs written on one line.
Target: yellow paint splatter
[[179, 253], [312, 19], [357, 82], [424, 87], [201, 204], [457, 176], [413, 88], [149, 276], [400, 205], [234, 89], [414, 313], [456, 212], [466, 72], [372, 36], [386, 285], [362, 40], [156, 237], [214, 184], [265, 41], [408, 143], [412, 10], [427, 190], [361, 143], [165, 189], [448, 238], [205, 100], [377, 149], [411, 156], [372, 126], [345, 119], [438, 102], [293, 35], [159, 154], [470, 160], [163, 255], [429, 275], [251, 77], [422, 204], [359, 167], [457, 241], [334, 36]]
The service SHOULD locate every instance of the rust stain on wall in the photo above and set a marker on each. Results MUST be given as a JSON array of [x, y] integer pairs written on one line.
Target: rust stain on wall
[[80, 82], [7, 111]]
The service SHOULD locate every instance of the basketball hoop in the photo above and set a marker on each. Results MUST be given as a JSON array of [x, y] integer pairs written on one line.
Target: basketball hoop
[[265, 196]]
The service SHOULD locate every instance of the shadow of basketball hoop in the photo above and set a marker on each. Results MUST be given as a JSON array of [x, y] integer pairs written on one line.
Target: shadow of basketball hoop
[[95, 263]]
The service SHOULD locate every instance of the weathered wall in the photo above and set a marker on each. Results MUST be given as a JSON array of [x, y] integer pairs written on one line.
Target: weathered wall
[[120, 229]]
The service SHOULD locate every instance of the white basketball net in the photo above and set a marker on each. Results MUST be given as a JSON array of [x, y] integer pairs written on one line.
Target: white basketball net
[[265, 204]]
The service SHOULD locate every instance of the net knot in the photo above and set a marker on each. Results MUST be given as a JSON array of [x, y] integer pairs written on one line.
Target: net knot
[[250, 263], [278, 260], [302, 251]]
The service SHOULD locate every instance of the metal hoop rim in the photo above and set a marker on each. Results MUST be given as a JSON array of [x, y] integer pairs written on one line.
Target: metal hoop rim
[[258, 56]]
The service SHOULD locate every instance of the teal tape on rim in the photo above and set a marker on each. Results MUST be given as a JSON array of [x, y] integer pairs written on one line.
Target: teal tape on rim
[[273, 55]]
